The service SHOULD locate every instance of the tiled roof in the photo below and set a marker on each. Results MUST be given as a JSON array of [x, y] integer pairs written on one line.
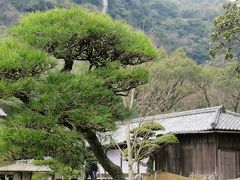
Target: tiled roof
[[228, 121], [21, 166], [193, 121]]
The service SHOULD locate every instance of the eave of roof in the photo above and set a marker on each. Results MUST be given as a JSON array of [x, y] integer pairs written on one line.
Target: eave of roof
[[25, 168]]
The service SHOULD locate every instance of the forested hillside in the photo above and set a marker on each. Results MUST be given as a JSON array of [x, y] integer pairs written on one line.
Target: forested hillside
[[170, 23]]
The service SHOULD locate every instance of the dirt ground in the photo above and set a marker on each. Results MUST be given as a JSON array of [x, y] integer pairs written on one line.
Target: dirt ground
[[169, 176]]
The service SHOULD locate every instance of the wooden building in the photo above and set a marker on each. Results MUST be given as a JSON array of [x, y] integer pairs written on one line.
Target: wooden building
[[23, 170], [209, 143]]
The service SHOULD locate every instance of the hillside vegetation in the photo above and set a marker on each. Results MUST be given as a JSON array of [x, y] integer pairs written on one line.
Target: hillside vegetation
[[170, 23]]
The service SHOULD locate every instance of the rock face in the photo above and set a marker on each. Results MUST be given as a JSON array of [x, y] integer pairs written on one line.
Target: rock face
[[8, 13]]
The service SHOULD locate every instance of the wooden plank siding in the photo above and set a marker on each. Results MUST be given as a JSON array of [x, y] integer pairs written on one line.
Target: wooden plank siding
[[202, 154], [228, 156], [195, 154], [228, 164]]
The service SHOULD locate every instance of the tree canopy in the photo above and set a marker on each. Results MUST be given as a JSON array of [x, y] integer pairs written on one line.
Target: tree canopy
[[66, 108], [76, 34], [226, 35]]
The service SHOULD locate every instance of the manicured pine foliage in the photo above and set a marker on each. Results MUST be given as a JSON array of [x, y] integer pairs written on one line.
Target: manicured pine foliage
[[145, 142], [59, 110], [79, 35]]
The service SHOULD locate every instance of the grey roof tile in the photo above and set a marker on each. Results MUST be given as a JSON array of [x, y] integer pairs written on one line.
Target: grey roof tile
[[229, 121], [19, 166], [193, 121]]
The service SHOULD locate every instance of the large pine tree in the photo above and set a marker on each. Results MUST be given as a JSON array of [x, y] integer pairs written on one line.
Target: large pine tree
[[59, 109]]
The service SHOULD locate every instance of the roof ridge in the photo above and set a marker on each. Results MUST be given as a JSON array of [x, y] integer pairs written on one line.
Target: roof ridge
[[220, 110], [177, 114]]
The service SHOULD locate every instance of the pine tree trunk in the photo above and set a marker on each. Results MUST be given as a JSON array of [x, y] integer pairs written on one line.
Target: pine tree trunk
[[96, 147]]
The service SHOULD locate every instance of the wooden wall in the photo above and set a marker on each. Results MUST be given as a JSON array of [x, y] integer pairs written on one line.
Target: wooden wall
[[228, 156], [195, 154], [202, 154]]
